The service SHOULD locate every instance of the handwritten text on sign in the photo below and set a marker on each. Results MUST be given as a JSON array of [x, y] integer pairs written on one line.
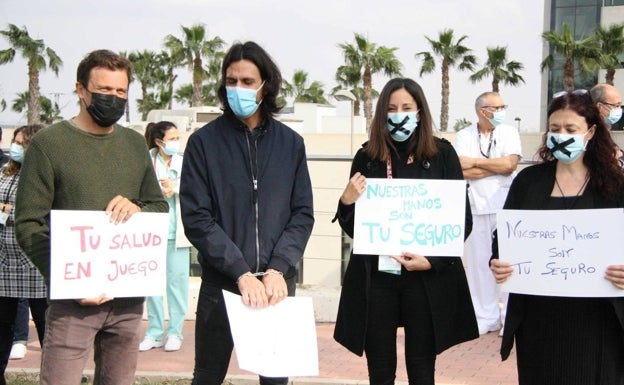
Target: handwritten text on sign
[[419, 215], [91, 256], [561, 252]]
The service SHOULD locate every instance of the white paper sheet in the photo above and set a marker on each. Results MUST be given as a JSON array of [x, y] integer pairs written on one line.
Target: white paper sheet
[[276, 341], [561, 252]]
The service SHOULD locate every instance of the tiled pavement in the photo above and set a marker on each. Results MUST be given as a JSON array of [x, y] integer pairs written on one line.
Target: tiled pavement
[[472, 363]]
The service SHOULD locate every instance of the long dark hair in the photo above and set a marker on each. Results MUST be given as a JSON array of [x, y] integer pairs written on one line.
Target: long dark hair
[[421, 144], [269, 72], [606, 175], [28, 131]]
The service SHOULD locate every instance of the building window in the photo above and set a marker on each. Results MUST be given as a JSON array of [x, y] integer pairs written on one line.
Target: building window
[[583, 16], [610, 3]]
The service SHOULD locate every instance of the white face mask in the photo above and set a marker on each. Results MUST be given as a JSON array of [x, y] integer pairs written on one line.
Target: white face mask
[[614, 116], [171, 147]]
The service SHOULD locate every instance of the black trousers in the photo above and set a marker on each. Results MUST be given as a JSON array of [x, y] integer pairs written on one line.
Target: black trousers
[[8, 310], [397, 301], [213, 337]]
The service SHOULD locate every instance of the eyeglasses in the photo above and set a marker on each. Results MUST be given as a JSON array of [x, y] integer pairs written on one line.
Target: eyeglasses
[[559, 94], [496, 108], [612, 105]]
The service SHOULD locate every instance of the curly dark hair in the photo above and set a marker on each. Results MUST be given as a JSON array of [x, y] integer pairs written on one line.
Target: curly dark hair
[[606, 175]]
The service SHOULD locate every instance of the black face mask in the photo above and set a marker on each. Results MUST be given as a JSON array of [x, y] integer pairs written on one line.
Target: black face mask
[[106, 109]]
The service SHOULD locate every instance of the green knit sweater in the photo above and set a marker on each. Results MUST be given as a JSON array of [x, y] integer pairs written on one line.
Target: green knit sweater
[[66, 168]]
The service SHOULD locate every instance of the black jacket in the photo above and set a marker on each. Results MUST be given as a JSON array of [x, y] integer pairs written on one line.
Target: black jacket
[[451, 308], [236, 227], [531, 190]]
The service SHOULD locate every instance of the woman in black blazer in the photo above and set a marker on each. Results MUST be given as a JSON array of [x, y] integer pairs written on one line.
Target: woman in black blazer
[[567, 340], [430, 297]]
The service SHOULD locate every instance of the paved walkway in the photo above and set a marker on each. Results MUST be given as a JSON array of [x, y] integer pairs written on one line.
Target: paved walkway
[[472, 363]]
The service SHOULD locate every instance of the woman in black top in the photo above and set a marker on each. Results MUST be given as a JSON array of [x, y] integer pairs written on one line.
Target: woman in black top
[[565, 340], [430, 297]]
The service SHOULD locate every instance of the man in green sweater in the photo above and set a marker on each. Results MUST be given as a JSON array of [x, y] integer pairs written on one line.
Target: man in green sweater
[[88, 163]]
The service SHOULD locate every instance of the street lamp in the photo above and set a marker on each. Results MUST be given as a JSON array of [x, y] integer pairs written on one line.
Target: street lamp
[[344, 95]]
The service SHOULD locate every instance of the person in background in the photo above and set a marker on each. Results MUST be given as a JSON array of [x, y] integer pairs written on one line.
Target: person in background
[[567, 340], [19, 278], [4, 158], [88, 163], [489, 151], [20, 332], [246, 200], [608, 99], [430, 297], [22, 318], [163, 140]]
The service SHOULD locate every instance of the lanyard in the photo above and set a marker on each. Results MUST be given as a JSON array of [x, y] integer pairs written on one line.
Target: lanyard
[[486, 155], [167, 164], [410, 160], [8, 193]]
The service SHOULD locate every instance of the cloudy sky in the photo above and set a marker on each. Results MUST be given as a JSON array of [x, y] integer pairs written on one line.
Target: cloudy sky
[[299, 34]]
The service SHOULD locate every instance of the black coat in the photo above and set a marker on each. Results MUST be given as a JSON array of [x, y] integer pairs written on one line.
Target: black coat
[[531, 190], [451, 308]]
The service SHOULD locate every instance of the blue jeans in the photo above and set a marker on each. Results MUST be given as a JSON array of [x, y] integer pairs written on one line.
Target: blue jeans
[[213, 337], [20, 333]]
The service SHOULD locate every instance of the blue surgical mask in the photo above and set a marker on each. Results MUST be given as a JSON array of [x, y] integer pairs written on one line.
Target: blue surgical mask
[[614, 116], [401, 125], [17, 152], [565, 147], [172, 147], [498, 117], [242, 101]]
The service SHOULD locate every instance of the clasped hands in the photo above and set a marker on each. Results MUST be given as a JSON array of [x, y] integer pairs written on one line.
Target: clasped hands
[[270, 290]]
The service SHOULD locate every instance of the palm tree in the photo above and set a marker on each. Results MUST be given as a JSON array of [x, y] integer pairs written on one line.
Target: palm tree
[[451, 53], [147, 70], [170, 60], [38, 56], [349, 78], [302, 91], [370, 58], [195, 48], [499, 69], [184, 95], [583, 51], [49, 112], [611, 43]]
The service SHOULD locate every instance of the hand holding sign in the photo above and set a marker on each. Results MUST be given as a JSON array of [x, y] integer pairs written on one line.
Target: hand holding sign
[[94, 259], [418, 215]]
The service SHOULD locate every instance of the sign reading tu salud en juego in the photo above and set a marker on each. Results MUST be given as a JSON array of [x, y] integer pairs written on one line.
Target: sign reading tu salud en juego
[[425, 216], [89, 256]]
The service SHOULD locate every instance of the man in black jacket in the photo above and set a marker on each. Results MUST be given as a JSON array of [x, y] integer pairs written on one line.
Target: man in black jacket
[[246, 200]]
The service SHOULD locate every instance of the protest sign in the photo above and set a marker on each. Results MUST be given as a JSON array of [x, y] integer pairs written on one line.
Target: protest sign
[[91, 256], [561, 252], [424, 216]]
